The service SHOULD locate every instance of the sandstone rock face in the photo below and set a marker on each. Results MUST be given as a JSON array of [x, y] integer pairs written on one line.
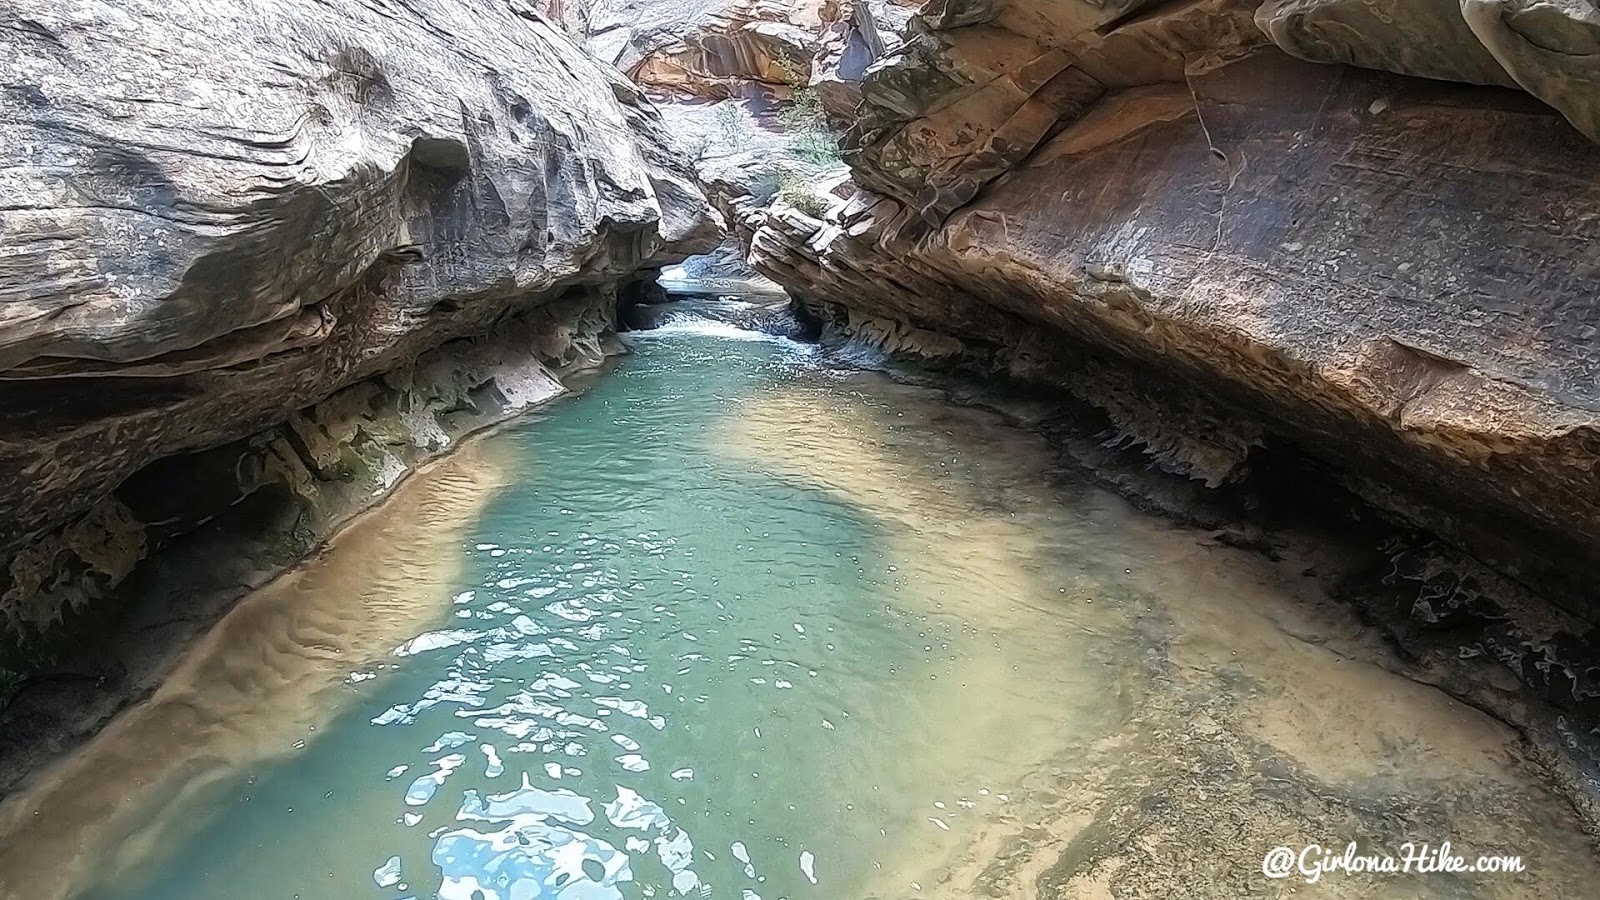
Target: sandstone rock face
[[1231, 250], [730, 54], [1430, 38], [749, 85], [215, 214], [701, 48], [149, 568], [1548, 47], [714, 49]]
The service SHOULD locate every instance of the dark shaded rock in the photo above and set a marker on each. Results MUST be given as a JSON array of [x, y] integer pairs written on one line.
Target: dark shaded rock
[[219, 214], [128, 586]]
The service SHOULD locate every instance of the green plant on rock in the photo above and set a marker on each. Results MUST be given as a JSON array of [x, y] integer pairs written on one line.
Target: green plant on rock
[[802, 117], [734, 129], [794, 188], [790, 70]]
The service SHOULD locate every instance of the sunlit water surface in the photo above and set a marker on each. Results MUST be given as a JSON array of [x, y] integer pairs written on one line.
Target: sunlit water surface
[[733, 623]]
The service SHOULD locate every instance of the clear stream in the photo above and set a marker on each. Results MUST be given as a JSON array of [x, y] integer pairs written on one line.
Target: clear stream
[[738, 622]]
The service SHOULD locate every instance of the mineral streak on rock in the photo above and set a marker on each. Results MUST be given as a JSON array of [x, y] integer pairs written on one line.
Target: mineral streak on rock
[[1179, 211], [215, 214]]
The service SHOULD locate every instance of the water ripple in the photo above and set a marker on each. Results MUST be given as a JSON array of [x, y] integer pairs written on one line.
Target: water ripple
[[740, 625]]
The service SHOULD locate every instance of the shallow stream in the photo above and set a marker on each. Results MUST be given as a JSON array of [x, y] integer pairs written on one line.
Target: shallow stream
[[737, 622]]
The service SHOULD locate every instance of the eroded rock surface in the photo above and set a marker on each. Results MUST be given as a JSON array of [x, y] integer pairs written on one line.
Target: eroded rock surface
[[1228, 248], [749, 85], [150, 567], [712, 49], [217, 214], [1550, 48]]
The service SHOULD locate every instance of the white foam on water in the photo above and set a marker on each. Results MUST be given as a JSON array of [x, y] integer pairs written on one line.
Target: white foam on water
[[716, 329]]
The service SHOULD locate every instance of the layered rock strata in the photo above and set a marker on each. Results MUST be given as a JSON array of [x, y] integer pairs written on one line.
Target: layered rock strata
[[715, 49], [155, 563], [216, 216], [1165, 208]]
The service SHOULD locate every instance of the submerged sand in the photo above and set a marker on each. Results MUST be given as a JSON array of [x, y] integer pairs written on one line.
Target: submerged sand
[[257, 686], [1233, 707], [1166, 710]]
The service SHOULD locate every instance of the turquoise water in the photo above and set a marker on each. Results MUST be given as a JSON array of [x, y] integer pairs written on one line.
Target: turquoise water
[[735, 622], [668, 670]]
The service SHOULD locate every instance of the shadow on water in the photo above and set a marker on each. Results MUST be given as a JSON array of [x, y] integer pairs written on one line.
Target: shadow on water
[[734, 623]]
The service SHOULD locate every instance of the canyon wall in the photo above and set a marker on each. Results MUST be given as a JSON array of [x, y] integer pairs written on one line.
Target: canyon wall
[[714, 49], [383, 226], [749, 85], [1361, 231]]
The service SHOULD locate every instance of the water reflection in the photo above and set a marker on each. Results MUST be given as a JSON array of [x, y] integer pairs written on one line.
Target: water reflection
[[735, 624], [535, 849]]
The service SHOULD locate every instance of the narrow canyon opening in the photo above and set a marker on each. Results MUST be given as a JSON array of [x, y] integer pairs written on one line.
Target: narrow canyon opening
[[799, 448]]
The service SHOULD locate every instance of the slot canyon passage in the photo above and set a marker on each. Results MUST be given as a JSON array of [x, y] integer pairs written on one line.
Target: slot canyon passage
[[504, 449]]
